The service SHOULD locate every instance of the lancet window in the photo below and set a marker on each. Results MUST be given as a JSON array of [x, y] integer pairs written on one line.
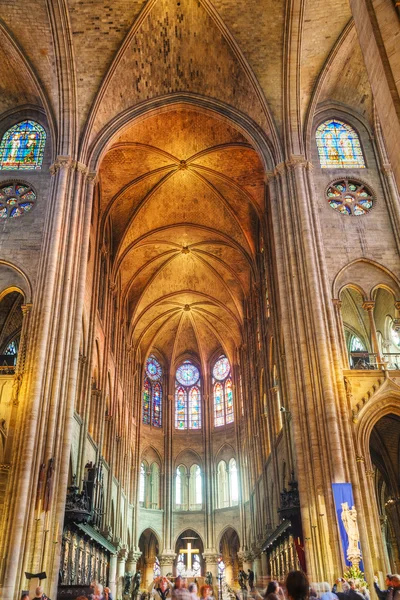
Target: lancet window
[[338, 146], [187, 397], [223, 392], [152, 393], [189, 488], [227, 484], [22, 146]]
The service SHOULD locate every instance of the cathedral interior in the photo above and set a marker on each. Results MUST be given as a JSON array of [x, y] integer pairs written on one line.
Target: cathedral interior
[[199, 291]]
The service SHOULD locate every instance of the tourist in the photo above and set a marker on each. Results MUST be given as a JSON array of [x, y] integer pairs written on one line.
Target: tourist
[[272, 591], [25, 596], [394, 591], [180, 592], [161, 588], [193, 591], [326, 593], [206, 592], [349, 590], [250, 578], [383, 593], [81, 598], [40, 595], [98, 591], [297, 586]]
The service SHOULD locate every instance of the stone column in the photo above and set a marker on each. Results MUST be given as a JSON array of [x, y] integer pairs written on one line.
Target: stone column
[[257, 567], [212, 560], [369, 307], [113, 575], [229, 578], [167, 562], [247, 558], [122, 556], [264, 564], [131, 563], [377, 23]]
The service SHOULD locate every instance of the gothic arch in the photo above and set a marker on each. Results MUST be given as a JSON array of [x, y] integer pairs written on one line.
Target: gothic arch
[[187, 458], [13, 278], [366, 275]]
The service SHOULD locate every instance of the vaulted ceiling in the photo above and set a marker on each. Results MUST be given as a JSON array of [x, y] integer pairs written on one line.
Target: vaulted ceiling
[[184, 192]]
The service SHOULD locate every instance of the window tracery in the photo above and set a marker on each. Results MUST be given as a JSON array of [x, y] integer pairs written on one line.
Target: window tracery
[[223, 392], [22, 146], [16, 199], [338, 146], [350, 198], [187, 397]]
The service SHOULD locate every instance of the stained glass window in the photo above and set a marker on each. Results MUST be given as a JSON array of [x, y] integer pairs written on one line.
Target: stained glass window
[[181, 408], [16, 199], [22, 146], [153, 368], [223, 393], [194, 408], [156, 568], [146, 401], [221, 368], [152, 393], [338, 146], [187, 374], [187, 397], [350, 198], [229, 401], [11, 348], [156, 408], [219, 418]]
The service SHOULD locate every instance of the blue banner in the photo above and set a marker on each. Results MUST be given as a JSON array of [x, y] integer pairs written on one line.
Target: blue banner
[[346, 515]]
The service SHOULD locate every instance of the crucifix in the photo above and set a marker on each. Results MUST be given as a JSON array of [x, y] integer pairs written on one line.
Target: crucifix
[[189, 551]]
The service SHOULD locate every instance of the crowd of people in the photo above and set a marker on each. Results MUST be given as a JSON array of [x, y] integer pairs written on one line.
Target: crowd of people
[[297, 587]]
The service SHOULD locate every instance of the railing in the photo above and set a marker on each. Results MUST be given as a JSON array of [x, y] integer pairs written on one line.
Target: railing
[[7, 364], [367, 361], [364, 361]]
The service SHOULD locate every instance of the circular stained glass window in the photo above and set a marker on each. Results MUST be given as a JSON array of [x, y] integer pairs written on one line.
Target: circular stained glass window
[[187, 374], [15, 200], [221, 368], [153, 368], [350, 198]]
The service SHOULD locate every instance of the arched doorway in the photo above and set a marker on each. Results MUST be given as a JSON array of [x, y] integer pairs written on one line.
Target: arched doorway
[[189, 550], [229, 548], [147, 564], [384, 447]]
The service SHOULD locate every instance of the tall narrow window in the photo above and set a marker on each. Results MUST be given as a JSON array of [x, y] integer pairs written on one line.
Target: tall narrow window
[[338, 146], [187, 397], [223, 491], [155, 485], [152, 393], [195, 488], [181, 488], [223, 392], [22, 146], [142, 484], [233, 482]]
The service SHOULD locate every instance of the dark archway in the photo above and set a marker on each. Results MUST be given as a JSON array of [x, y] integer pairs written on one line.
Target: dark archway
[[189, 549], [149, 547], [385, 455], [229, 547]]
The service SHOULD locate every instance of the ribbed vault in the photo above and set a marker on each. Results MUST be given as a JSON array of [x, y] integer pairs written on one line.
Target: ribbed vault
[[183, 192]]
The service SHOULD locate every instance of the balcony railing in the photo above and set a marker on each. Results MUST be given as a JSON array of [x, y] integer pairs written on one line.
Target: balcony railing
[[367, 361], [7, 364]]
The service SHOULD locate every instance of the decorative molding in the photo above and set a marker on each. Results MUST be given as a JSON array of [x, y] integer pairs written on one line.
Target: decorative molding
[[5, 467], [66, 162]]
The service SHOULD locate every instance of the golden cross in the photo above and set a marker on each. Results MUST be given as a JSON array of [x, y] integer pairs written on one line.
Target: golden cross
[[189, 551]]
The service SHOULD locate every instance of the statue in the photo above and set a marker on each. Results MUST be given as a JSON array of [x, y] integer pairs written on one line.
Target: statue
[[127, 583], [242, 580], [136, 583], [349, 519], [208, 578]]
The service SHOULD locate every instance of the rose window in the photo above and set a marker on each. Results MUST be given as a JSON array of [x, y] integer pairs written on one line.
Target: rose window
[[350, 197], [16, 199]]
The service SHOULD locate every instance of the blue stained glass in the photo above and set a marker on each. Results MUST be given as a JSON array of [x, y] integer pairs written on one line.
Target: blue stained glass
[[194, 408], [349, 197], [146, 402], [338, 146], [15, 200], [22, 146], [181, 408], [153, 368], [221, 368], [219, 417], [187, 374], [156, 408]]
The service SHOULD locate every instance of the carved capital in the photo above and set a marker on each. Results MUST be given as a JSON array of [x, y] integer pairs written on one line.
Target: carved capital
[[368, 305], [211, 557], [386, 169], [337, 303], [280, 169], [297, 161], [91, 176], [134, 556], [167, 560], [26, 308], [61, 162], [5, 467]]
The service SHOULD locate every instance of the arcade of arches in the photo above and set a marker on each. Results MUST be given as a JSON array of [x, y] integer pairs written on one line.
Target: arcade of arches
[[199, 290]]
